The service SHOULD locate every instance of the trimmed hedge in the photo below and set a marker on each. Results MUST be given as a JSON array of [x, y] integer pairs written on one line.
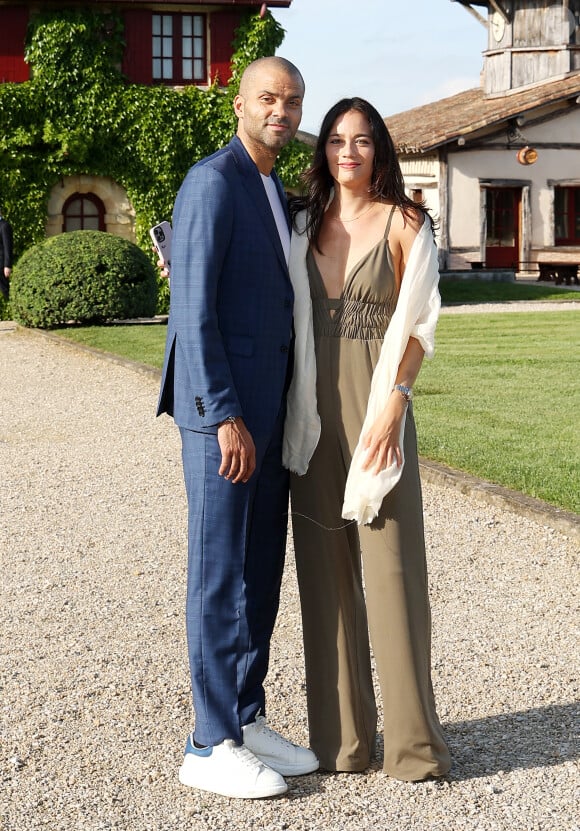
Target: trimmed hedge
[[82, 277]]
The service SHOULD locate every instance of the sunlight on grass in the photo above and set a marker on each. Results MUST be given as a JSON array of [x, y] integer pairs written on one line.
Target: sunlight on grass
[[489, 291], [500, 399], [142, 343]]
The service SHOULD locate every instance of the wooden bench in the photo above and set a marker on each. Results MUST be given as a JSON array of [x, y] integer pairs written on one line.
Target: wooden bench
[[551, 272], [559, 273]]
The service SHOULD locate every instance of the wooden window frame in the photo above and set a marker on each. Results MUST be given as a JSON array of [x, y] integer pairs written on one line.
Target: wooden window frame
[[570, 218], [89, 197], [174, 48]]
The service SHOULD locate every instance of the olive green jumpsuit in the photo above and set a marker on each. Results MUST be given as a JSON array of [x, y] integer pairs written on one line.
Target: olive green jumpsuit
[[342, 713]]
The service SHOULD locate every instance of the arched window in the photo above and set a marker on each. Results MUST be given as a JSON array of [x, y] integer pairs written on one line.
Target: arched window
[[83, 212]]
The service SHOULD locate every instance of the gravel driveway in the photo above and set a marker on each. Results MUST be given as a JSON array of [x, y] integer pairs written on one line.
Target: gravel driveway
[[94, 682]]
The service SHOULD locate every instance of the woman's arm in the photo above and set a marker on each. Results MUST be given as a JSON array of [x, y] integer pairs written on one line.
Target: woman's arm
[[382, 440]]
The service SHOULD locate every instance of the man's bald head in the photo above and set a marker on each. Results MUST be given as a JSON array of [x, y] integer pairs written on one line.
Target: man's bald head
[[264, 66]]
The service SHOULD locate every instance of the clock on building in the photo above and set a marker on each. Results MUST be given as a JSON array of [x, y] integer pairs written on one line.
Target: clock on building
[[497, 24]]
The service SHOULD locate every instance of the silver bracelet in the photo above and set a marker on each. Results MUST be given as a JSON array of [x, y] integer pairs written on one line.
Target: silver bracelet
[[406, 392]]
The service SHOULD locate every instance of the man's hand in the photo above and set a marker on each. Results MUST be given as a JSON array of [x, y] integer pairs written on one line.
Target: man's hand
[[238, 451], [7, 272]]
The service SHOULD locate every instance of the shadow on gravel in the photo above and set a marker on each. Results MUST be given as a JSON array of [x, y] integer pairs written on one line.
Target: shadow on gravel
[[541, 737]]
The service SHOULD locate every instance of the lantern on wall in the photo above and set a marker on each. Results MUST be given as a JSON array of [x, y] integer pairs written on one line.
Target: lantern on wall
[[527, 155]]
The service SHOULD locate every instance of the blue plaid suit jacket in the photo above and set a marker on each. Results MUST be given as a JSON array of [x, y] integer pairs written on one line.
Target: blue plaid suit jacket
[[230, 322]]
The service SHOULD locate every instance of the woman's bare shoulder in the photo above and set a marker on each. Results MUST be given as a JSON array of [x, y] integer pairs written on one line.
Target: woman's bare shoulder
[[407, 223]]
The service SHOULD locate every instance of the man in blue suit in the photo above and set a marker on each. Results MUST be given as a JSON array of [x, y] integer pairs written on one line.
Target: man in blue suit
[[225, 376]]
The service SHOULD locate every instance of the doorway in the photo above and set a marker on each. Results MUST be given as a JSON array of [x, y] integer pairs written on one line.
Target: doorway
[[503, 222]]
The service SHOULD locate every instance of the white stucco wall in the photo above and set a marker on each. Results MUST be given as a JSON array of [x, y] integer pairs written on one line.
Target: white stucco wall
[[422, 173], [554, 165]]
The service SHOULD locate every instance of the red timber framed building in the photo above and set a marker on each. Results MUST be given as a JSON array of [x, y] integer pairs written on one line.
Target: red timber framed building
[[172, 43]]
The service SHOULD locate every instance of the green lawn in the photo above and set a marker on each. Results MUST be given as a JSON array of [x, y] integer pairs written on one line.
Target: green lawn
[[454, 290], [143, 343], [500, 399]]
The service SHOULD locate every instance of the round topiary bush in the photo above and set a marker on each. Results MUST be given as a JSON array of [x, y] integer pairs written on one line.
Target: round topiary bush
[[82, 277]]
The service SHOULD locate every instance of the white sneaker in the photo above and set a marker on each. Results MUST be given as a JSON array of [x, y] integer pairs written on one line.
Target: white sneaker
[[277, 752], [230, 770]]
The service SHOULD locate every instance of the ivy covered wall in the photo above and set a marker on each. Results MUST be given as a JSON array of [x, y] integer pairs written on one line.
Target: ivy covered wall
[[79, 115]]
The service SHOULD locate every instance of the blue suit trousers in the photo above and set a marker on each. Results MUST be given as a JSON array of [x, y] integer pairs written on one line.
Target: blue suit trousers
[[236, 549]]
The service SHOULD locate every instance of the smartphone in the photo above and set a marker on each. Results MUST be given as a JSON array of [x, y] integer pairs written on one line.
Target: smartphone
[[161, 236]]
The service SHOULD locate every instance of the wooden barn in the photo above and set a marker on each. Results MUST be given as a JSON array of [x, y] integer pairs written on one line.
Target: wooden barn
[[500, 165]]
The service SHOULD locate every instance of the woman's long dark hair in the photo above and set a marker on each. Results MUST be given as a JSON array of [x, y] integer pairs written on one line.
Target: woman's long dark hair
[[387, 180]]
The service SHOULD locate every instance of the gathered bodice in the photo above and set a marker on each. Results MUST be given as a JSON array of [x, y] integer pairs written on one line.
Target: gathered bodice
[[367, 301]]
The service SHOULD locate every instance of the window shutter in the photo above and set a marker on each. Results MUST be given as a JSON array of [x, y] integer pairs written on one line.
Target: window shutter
[[223, 27], [137, 57], [13, 24]]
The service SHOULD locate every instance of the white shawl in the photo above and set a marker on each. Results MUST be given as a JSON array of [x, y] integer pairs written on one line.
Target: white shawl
[[415, 315], [302, 426]]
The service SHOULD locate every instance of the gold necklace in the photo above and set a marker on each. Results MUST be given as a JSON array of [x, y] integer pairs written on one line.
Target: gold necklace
[[358, 216]]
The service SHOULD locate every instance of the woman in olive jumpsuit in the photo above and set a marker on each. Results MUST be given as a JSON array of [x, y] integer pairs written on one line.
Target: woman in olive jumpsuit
[[361, 227]]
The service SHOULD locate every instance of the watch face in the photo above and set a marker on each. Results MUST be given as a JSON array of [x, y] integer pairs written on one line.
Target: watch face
[[497, 24]]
